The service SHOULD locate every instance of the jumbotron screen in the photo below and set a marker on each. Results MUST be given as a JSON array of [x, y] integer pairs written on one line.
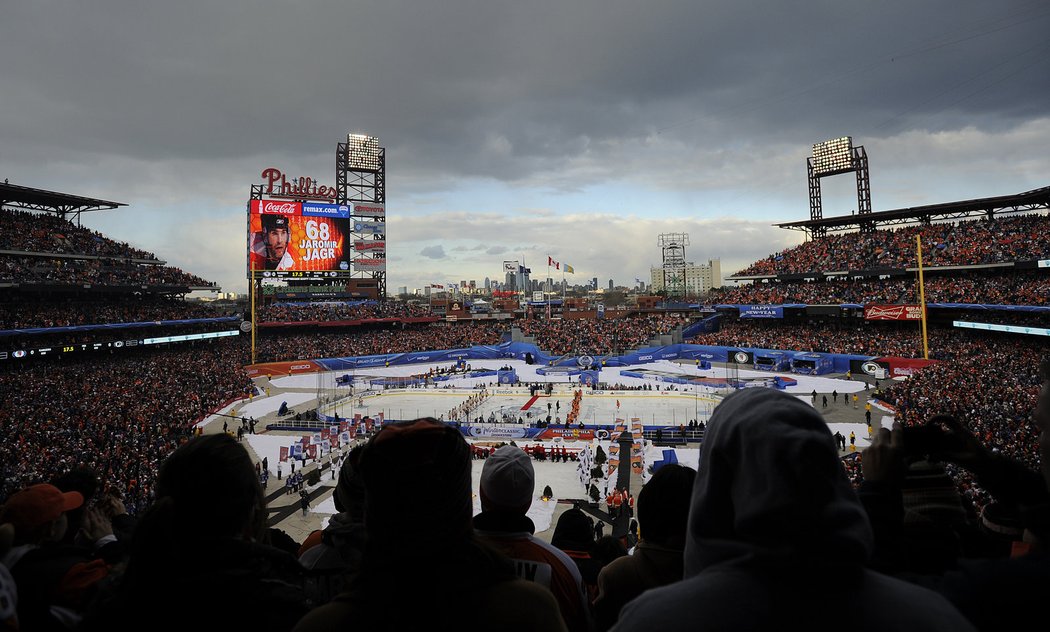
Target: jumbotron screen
[[299, 236]]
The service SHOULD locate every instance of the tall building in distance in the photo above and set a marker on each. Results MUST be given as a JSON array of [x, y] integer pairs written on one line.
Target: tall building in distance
[[695, 279]]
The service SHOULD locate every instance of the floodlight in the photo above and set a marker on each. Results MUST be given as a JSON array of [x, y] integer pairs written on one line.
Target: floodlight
[[833, 155], [362, 152]]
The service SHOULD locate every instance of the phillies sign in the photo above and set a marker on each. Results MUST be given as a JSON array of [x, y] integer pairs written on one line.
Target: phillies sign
[[278, 185]]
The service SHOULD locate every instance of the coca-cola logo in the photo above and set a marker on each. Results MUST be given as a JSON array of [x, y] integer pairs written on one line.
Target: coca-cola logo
[[284, 208]]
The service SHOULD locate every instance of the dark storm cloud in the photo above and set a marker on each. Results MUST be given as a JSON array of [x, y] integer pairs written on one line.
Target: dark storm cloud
[[505, 89]]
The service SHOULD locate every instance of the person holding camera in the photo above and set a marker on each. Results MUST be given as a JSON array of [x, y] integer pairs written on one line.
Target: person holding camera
[[993, 587]]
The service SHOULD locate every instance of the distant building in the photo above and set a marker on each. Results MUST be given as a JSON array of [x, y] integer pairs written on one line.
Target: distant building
[[698, 278]]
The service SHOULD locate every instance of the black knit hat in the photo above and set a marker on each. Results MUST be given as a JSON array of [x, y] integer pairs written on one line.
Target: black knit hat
[[417, 477]]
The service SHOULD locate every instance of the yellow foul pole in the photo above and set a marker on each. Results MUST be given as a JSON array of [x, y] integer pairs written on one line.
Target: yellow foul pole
[[922, 300], [251, 290]]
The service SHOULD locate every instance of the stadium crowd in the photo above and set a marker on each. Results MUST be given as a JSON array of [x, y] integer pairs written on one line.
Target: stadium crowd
[[370, 340], [119, 413], [1001, 239], [52, 271], [599, 336], [42, 232], [38, 314], [1016, 288], [325, 312]]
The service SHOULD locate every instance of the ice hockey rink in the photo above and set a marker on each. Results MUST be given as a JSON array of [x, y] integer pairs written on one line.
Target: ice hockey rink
[[598, 407], [507, 404]]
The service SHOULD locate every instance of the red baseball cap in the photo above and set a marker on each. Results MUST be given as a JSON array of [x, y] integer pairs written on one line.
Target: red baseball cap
[[37, 505]]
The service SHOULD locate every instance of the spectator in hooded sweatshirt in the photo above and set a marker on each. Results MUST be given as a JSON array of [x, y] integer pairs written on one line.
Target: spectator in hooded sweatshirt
[[423, 568], [663, 511], [778, 537], [332, 555], [507, 484]]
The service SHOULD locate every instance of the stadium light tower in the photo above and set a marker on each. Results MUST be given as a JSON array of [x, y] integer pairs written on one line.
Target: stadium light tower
[[360, 176], [673, 266], [832, 157]]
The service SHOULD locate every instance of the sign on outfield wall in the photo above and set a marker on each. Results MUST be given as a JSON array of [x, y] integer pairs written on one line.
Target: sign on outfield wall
[[761, 311], [369, 209], [892, 312], [369, 265], [362, 246]]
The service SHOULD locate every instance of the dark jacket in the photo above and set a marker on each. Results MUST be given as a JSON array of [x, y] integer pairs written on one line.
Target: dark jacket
[[218, 584]]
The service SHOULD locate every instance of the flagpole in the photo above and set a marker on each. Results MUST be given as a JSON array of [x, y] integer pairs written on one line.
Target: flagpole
[[563, 288], [548, 292]]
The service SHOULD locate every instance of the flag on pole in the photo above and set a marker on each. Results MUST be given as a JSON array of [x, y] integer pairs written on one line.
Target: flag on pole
[[553, 263], [617, 404], [569, 269]]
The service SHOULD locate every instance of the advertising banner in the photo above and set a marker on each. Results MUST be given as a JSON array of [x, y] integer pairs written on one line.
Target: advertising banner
[[275, 207], [369, 265], [363, 246], [317, 209], [369, 209], [370, 228], [761, 311], [904, 367], [892, 312], [293, 241]]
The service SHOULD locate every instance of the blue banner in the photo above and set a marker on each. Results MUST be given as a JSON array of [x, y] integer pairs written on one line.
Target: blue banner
[[316, 209], [761, 311]]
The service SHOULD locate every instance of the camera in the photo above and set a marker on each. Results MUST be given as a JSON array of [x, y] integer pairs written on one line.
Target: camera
[[920, 440], [928, 438]]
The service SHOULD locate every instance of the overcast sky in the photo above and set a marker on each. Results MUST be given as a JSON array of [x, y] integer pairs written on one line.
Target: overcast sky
[[575, 129]]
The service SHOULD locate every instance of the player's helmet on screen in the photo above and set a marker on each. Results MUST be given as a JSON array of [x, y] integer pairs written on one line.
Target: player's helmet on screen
[[272, 222]]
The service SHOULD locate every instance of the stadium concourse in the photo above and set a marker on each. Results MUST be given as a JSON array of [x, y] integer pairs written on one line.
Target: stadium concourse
[[657, 408]]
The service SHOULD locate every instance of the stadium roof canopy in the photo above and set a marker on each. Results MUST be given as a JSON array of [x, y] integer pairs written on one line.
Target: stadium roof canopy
[[63, 204], [1034, 200]]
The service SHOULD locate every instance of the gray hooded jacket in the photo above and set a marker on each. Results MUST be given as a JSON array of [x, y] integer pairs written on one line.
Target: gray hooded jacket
[[777, 537]]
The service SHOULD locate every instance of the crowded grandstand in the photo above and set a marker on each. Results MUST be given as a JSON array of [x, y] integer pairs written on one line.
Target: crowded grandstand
[[106, 364]]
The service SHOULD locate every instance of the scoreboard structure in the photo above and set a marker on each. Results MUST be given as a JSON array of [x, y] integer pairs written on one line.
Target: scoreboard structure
[[300, 230]]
